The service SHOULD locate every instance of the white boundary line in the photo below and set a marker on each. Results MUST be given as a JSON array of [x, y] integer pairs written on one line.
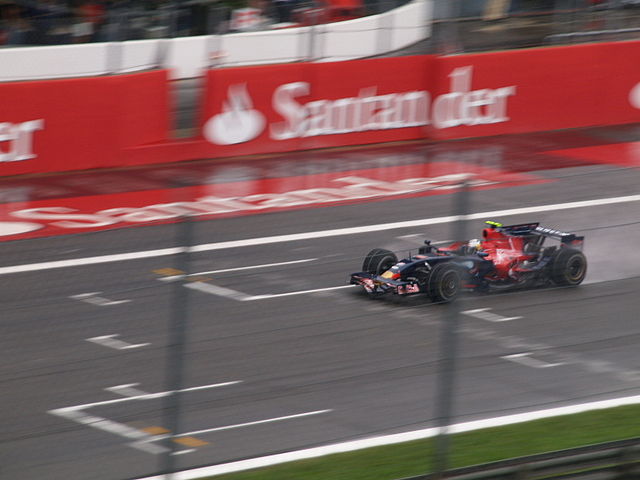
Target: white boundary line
[[121, 257], [392, 439]]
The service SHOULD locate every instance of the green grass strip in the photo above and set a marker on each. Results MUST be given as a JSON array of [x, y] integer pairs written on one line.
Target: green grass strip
[[471, 448]]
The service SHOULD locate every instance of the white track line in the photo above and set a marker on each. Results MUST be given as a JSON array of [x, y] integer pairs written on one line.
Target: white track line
[[252, 267], [391, 439], [299, 292], [249, 424], [220, 291], [112, 342], [485, 314], [212, 289], [121, 257], [526, 360]]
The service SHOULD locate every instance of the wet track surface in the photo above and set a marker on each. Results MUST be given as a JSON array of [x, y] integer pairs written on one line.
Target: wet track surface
[[284, 355]]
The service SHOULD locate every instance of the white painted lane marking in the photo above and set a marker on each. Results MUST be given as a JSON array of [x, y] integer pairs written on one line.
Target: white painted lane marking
[[142, 440], [172, 278], [220, 291], [94, 299], [257, 422], [251, 267], [485, 314], [525, 359], [112, 342], [300, 292], [146, 396], [392, 439], [243, 297], [121, 257], [127, 390]]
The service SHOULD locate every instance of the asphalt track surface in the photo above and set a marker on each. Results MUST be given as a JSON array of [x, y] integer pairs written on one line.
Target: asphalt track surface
[[267, 372]]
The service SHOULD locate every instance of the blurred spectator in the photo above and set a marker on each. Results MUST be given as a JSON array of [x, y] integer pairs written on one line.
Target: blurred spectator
[[283, 9], [15, 29], [88, 16], [52, 21], [253, 17]]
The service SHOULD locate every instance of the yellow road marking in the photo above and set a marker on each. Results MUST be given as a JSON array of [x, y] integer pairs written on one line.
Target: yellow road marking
[[168, 271], [186, 441], [190, 442], [199, 279], [155, 430]]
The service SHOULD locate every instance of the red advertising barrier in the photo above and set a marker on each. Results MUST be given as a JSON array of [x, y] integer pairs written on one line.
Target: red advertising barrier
[[295, 107], [123, 120], [535, 90], [80, 124], [314, 105]]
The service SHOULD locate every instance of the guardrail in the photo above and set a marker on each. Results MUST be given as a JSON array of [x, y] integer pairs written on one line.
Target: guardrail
[[619, 460], [189, 57]]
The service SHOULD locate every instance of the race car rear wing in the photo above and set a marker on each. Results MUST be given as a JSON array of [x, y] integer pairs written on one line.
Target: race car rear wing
[[565, 238], [568, 239]]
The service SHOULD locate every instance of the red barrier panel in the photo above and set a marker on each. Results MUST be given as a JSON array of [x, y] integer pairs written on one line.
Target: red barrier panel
[[300, 106], [79, 124], [535, 90], [123, 120], [296, 107]]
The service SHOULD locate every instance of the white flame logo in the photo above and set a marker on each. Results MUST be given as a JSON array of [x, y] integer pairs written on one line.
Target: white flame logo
[[634, 96], [239, 122], [16, 228]]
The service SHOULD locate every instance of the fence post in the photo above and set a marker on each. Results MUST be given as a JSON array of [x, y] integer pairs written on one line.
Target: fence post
[[177, 338], [448, 349]]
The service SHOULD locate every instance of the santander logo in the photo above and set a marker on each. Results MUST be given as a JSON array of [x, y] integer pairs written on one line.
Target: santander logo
[[17, 228], [239, 122], [634, 96], [366, 110], [16, 140]]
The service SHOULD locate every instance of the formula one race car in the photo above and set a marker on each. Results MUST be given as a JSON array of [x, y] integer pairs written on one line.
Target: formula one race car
[[507, 257]]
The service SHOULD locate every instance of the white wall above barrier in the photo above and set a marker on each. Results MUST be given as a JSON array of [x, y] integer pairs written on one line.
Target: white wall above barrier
[[188, 57]]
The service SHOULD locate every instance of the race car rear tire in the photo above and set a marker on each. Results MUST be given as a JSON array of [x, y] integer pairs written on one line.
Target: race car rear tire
[[569, 267], [444, 283], [379, 261]]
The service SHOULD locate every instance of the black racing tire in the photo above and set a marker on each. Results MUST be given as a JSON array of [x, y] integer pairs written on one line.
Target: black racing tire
[[444, 283], [569, 267], [379, 261]]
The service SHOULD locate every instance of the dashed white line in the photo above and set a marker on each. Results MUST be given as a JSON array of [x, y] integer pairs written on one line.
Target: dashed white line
[[172, 278], [127, 390], [525, 359], [257, 422], [142, 440], [485, 314], [299, 292], [244, 297], [220, 291], [94, 299], [121, 257], [112, 342]]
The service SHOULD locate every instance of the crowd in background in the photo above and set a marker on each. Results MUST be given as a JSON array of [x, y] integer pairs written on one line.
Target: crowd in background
[[53, 22], [56, 22]]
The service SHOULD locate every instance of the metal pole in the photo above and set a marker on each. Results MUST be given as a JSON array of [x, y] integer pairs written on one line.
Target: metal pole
[[177, 338], [448, 350]]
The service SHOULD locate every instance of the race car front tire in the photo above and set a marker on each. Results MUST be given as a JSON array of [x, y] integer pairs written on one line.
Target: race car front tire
[[569, 267], [444, 283], [379, 261]]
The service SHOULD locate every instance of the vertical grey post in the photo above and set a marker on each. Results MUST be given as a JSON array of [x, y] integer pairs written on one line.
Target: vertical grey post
[[448, 350], [177, 337], [116, 36], [446, 39]]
